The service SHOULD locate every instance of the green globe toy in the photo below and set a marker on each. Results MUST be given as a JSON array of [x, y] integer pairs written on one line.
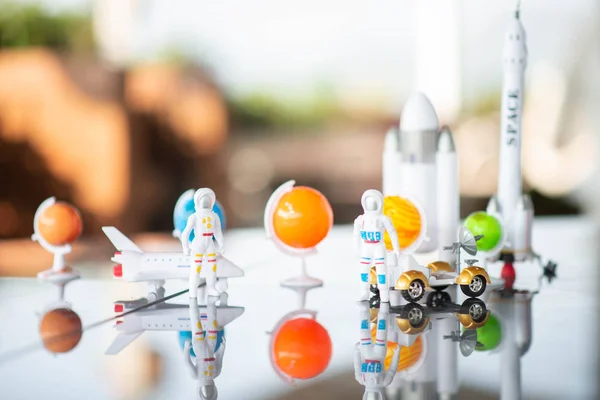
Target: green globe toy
[[489, 335], [481, 223]]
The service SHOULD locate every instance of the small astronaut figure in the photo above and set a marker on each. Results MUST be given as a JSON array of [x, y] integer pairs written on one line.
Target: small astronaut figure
[[368, 235], [207, 232], [369, 359], [208, 363]]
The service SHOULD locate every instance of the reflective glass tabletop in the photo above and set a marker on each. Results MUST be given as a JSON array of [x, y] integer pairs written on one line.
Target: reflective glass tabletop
[[260, 334]]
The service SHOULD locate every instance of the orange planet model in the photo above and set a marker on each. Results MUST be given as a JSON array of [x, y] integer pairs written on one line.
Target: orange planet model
[[408, 355], [60, 224], [60, 330], [302, 348], [302, 218], [407, 220]]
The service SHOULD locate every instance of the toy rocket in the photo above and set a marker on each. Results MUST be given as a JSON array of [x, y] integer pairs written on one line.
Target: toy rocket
[[514, 207], [419, 162]]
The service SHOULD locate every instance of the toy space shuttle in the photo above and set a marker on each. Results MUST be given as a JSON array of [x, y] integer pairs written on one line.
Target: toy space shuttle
[[419, 162], [514, 207], [162, 317], [135, 265]]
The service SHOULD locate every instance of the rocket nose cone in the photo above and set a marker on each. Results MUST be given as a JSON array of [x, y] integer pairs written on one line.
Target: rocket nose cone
[[494, 206], [392, 141], [418, 114], [525, 203], [445, 142]]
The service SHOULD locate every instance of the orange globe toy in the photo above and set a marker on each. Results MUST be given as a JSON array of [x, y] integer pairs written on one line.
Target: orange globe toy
[[302, 218], [302, 348], [60, 224], [60, 330], [409, 221]]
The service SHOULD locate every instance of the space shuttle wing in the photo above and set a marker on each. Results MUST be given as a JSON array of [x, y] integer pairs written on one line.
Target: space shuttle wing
[[227, 269], [227, 314], [121, 341], [119, 240]]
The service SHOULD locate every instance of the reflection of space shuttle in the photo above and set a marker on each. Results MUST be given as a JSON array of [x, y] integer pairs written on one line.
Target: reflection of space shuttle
[[514, 207], [135, 265], [420, 163], [162, 317]]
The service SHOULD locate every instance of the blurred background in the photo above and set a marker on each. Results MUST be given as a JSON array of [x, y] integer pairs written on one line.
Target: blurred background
[[119, 106]]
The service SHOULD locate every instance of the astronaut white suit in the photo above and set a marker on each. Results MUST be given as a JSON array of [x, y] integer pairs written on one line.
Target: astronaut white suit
[[368, 235], [207, 232], [204, 341], [369, 358]]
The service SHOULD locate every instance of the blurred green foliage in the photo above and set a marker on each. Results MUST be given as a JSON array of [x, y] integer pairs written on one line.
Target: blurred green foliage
[[25, 25]]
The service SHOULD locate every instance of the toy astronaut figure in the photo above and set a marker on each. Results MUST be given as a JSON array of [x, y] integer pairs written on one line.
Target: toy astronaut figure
[[368, 235], [207, 232], [204, 341], [369, 359]]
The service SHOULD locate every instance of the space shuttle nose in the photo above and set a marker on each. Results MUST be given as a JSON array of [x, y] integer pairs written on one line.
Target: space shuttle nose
[[392, 140], [445, 142], [418, 114]]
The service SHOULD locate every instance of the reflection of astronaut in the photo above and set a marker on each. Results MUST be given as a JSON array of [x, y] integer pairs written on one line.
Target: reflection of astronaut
[[368, 234], [369, 359], [206, 226], [208, 362]]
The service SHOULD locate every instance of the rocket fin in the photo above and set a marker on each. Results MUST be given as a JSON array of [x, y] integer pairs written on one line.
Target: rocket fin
[[119, 240], [121, 341]]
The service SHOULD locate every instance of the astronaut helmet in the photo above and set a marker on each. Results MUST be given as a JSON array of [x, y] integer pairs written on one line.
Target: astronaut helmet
[[372, 201], [204, 199], [207, 391]]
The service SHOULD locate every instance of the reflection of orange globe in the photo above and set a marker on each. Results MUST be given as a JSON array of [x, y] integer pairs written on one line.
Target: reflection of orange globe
[[302, 348], [406, 219], [302, 218], [408, 355], [60, 330], [60, 224]]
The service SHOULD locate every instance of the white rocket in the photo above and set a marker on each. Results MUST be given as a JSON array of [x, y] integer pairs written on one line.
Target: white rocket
[[514, 208], [420, 163]]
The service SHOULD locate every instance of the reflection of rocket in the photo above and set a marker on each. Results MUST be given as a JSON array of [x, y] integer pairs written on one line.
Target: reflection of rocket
[[515, 208], [514, 314], [420, 164]]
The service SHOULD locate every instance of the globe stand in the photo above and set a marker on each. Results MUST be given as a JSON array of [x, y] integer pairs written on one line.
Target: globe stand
[[60, 274], [303, 281]]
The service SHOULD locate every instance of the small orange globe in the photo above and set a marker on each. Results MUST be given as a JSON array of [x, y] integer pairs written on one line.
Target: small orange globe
[[302, 348], [408, 355], [405, 217], [302, 218], [60, 224], [60, 330]]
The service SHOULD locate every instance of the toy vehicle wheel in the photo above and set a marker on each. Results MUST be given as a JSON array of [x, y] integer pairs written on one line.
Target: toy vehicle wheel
[[475, 308], [437, 299], [415, 291], [475, 288], [414, 314]]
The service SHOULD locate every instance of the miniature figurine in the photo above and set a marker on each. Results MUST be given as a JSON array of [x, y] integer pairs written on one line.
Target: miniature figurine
[[209, 358], [56, 226], [206, 225], [369, 230], [297, 219], [369, 358], [438, 275]]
